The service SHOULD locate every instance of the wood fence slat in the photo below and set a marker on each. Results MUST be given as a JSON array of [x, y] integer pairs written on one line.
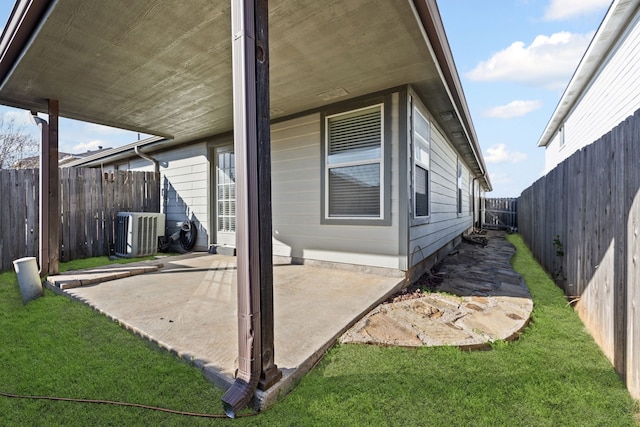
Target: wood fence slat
[[87, 217], [13, 215], [66, 193], [75, 224], [4, 220], [20, 240], [99, 219], [619, 208], [581, 228], [571, 245], [95, 247], [108, 190], [31, 224]]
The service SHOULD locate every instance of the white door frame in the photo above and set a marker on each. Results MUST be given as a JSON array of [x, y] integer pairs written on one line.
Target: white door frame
[[223, 195]]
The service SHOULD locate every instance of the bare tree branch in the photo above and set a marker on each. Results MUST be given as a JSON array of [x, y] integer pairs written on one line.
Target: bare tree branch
[[15, 144]]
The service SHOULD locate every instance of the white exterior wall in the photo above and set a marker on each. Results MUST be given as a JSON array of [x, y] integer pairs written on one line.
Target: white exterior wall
[[555, 153], [183, 187], [444, 224], [612, 96], [296, 191]]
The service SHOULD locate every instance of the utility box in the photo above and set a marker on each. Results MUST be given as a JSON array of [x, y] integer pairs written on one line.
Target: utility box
[[137, 233]]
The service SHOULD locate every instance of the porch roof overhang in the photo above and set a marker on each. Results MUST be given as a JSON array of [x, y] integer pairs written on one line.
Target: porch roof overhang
[[165, 69]]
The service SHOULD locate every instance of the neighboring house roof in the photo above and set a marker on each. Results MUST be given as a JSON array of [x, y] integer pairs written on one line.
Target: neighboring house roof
[[33, 162], [613, 26], [64, 159], [167, 70], [113, 155]]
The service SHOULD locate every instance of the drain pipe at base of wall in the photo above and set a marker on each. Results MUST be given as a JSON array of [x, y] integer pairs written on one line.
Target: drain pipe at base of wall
[[156, 164]]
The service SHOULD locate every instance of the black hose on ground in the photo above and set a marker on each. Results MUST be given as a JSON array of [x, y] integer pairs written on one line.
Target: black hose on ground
[[188, 235]]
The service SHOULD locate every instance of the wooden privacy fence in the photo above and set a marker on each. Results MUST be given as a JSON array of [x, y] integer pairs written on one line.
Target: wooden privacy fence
[[89, 203], [501, 213], [582, 222]]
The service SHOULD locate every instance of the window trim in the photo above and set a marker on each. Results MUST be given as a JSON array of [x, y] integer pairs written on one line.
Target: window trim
[[384, 103], [459, 185], [422, 219], [471, 201]]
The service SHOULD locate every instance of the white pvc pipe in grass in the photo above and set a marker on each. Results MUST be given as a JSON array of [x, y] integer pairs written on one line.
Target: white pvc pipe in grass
[[28, 278]]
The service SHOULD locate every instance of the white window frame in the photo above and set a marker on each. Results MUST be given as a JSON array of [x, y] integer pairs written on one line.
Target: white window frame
[[419, 162], [379, 161], [459, 188], [471, 201]]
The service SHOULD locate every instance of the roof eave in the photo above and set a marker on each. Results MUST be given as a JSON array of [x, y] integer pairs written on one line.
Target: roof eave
[[22, 25]]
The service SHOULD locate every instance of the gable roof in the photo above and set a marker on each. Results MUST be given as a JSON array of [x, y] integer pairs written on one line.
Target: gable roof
[[166, 70], [614, 24]]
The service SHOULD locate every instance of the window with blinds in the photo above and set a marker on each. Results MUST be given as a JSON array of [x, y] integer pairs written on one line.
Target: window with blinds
[[354, 164], [421, 164]]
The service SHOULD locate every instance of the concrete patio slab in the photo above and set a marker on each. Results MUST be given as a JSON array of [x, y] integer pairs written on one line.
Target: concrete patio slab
[[189, 307]]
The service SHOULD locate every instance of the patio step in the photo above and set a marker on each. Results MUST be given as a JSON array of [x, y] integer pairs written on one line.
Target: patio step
[[74, 279]]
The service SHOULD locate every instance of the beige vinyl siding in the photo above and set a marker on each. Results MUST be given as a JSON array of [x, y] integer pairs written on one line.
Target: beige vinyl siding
[[184, 179], [296, 192], [445, 223], [612, 96]]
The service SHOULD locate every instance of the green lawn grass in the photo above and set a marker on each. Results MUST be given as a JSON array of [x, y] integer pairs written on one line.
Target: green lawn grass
[[58, 347], [553, 375]]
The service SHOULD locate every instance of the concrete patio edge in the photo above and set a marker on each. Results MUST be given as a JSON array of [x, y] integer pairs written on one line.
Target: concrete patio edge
[[209, 367]]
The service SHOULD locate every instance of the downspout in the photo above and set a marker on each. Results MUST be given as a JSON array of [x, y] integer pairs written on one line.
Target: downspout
[[249, 26], [474, 182], [156, 164], [43, 233], [156, 170]]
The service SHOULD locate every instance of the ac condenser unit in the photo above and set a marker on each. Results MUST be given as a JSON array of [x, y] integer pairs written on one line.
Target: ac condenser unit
[[137, 233]]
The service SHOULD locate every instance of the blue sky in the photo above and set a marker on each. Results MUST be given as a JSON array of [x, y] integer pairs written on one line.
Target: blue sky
[[514, 57]]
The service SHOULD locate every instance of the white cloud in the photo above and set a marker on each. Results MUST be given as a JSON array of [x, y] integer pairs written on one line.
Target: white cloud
[[549, 61], [513, 109], [94, 144], [565, 9], [19, 117], [500, 154]]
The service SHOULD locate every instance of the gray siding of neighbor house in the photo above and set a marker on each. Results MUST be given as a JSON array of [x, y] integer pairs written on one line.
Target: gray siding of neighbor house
[[297, 199], [183, 187], [444, 224]]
